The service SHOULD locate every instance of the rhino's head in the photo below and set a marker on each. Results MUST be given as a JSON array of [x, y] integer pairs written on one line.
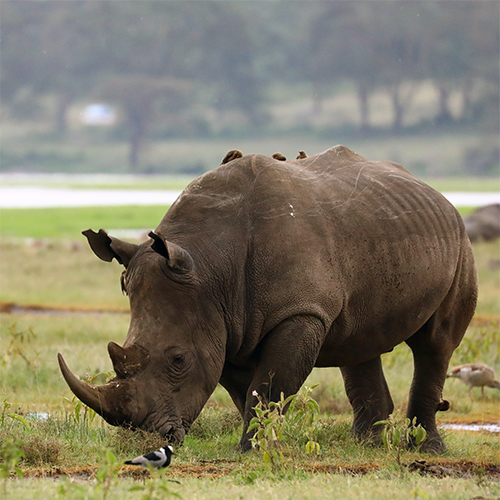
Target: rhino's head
[[172, 358]]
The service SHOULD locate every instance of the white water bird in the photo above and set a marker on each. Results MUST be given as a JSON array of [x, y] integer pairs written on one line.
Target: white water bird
[[475, 375]]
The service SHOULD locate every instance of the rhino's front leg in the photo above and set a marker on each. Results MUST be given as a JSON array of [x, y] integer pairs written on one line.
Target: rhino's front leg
[[368, 394], [236, 380], [286, 357]]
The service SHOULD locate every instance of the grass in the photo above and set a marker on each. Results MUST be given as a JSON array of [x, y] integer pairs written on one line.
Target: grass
[[68, 222], [301, 487], [56, 272], [466, 184]]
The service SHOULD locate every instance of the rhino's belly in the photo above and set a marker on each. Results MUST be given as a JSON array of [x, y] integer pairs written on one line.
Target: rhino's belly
[[376, 323]]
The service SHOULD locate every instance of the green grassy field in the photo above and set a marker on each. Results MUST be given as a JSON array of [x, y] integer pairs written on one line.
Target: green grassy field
[[71, 442], [69, 222], [55, 272]]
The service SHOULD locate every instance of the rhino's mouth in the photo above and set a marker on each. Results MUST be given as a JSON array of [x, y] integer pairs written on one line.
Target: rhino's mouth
[[174, 430]]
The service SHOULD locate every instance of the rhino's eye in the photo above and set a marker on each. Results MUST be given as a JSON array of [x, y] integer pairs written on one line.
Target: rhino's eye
[[178, 359], [178, 362]]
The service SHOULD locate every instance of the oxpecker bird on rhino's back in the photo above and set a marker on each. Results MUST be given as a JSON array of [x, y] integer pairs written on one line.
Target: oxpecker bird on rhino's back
[[274, 267]]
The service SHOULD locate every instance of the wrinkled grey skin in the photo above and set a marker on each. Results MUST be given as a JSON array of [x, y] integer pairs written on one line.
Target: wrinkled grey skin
[[484, 223], [265, 269]]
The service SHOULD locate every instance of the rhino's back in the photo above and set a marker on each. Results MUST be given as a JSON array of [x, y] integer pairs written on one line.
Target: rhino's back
[[328, 185], [338, 198], [334, 235]]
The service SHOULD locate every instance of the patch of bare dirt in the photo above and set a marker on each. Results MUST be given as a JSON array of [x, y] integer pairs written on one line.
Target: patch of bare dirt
[[214, 469], [461, 469], [174, 472], [14, 308]]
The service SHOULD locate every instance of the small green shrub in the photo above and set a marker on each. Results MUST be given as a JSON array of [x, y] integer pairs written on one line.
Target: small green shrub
[[291, 419], [399, 432]]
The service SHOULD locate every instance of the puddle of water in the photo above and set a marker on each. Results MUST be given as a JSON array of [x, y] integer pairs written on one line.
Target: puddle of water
[[472, 427], [39, 416], [41, 197]]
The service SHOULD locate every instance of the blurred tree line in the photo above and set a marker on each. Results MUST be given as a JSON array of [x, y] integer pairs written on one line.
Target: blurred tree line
[[192, 63]]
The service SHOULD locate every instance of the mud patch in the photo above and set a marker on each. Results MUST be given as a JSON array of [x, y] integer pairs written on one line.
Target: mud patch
[[214, 469], [459, 469], [173, 472], [20, 309], [14, 308]]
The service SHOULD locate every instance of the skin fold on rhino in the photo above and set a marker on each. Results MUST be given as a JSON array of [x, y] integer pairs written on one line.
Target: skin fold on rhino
[[265, 269]]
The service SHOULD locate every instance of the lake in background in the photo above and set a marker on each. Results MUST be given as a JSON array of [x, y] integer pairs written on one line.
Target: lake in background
[[50, 190]]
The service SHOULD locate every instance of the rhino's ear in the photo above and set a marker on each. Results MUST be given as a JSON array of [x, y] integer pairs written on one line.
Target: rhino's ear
[[108, 248], [179, 260]]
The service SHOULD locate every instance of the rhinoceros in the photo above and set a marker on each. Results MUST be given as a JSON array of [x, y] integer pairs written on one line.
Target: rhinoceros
[[263, 269], [483, 223]]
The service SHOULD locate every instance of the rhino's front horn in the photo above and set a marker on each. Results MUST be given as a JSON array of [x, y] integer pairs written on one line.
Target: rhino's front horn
[[96, 397], [127, 361]]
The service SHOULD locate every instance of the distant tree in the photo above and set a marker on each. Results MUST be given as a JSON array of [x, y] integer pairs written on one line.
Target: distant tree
[[463, 51], [21, 24], [325, 60], [55, 48], [139, 97], [236, 54], [482, 61], [227, 47], [400, 54], [370, 44], [356, 58]]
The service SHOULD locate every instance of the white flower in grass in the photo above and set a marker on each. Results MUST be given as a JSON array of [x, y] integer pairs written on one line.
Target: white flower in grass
[[255, 393]]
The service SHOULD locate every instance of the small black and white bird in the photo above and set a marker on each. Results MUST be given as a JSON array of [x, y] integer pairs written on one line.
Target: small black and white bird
[[156, 459]]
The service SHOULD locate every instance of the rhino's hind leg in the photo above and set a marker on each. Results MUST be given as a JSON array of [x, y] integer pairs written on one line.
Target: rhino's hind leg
[[425, 396], [432, 348], [369, 396]]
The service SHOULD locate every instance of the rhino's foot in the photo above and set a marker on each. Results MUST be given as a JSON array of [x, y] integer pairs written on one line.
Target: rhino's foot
[[433, 444]]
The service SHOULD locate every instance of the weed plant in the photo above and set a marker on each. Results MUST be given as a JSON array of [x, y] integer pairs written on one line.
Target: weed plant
[[292, 419]]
